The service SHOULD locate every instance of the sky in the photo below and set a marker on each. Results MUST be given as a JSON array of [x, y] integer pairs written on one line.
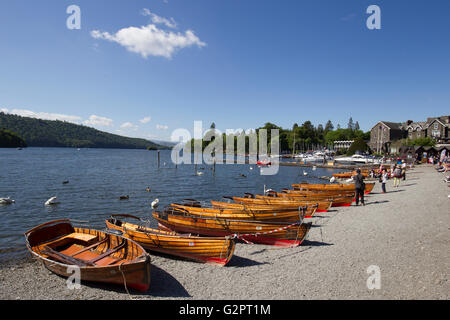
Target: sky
[[146, 68]]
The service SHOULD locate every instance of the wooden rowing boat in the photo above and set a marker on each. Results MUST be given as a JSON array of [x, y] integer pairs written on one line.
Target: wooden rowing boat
[[214, 250], [337, 201], [100, 256], [322, 206], [321, 193], [328, 187], [347, 175], [283, 234], [256, 214]]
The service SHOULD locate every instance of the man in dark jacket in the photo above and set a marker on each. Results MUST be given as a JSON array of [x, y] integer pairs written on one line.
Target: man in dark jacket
[[360, 186]]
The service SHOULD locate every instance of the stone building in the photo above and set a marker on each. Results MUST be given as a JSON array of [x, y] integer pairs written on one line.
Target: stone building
[[384, 133]]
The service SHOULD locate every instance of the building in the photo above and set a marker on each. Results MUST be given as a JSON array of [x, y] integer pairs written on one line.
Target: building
[[384, 133], [339, 145]]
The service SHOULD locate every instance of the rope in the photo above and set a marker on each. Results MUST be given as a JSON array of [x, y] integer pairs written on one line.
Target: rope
[[125, 280], [239, 236]]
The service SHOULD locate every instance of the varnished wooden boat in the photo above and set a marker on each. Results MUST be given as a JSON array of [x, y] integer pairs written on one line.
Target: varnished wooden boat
[[328, 187], [251, 200], [337, 201], [215, 250], [349, 174], [255, 214], [321, 193], [283, 234], [101, 256]]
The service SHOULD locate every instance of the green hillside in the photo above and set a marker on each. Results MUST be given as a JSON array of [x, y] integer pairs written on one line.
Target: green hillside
[[49, 133], [9, 139]]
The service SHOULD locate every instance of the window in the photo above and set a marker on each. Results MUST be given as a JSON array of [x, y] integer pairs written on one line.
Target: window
[[436, 126]]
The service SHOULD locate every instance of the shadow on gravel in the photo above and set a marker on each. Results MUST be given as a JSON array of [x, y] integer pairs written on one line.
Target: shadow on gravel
[[376, 202], [239, 262], [164, 285], [315, 243], [407, 185]]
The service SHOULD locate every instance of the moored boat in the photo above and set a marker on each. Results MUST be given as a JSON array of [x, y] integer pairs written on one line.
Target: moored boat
[[350, 187], [337, 201], [283, 234], [100, 256], [215, 250], [322, 205], [255, 213]]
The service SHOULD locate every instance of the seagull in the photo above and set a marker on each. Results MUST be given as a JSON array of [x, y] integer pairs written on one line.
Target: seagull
[[333, 179], [155, 203], [6, 201], [199, 173], [251, 168], [314, 168], [52, 201], [305, 173]]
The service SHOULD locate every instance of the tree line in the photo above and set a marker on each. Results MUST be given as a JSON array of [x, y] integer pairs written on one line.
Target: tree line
[[300, 138], [55, 133]]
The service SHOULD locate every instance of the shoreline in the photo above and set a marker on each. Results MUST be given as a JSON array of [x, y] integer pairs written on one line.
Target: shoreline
[[405, 232]]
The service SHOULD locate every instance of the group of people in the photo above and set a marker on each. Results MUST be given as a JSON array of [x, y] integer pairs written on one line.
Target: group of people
[[396, 172]]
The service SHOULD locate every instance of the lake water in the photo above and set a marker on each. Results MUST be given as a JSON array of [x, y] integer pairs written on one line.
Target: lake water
[[97, 177]]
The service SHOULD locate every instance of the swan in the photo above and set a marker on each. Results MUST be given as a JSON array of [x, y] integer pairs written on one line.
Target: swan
[[314, 168], [6, 201], [52, 201], [155, 203]]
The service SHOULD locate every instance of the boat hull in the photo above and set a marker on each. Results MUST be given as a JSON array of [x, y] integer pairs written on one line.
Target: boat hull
[[214, 250], [129, 265]]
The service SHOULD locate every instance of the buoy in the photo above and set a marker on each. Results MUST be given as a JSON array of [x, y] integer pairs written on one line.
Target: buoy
[[52, 201], [155, 203], [6, 201]]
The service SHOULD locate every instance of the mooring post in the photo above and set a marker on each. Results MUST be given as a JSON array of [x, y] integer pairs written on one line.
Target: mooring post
[[158, 160]]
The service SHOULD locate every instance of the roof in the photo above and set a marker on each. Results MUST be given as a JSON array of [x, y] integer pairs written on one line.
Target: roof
[[440, 121], [393, 125]]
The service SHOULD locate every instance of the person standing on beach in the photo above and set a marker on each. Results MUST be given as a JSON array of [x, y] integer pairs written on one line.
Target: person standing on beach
[[383, 180], [397, 176], [404, 170], [359, 187]]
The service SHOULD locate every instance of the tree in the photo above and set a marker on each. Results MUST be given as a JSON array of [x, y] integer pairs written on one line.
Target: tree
[[350, 125], [356, 125], [329, 127], [359, 145]]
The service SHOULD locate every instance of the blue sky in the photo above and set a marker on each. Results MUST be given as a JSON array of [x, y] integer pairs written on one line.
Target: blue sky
[[238, 63]]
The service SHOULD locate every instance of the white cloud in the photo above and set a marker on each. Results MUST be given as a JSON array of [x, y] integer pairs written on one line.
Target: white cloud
[[161, 127], [43, 115], [150, 40], [159, 20], [129, 125], [98, 121], [145, 120]]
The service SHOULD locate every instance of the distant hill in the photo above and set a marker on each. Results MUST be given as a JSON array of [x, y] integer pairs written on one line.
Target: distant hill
[[50, 133], [9, 139]]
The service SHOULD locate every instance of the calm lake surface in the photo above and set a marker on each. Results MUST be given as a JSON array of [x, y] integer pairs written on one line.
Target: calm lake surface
[[97, 177]]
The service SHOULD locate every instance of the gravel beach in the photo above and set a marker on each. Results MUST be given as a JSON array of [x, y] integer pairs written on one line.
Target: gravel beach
[[406, 233]]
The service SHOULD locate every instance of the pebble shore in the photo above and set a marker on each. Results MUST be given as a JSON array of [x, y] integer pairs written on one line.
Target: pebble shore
[[406, 233]]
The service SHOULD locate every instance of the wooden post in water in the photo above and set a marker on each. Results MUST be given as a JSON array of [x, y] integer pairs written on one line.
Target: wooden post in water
[[158, 160], [214, 166]]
